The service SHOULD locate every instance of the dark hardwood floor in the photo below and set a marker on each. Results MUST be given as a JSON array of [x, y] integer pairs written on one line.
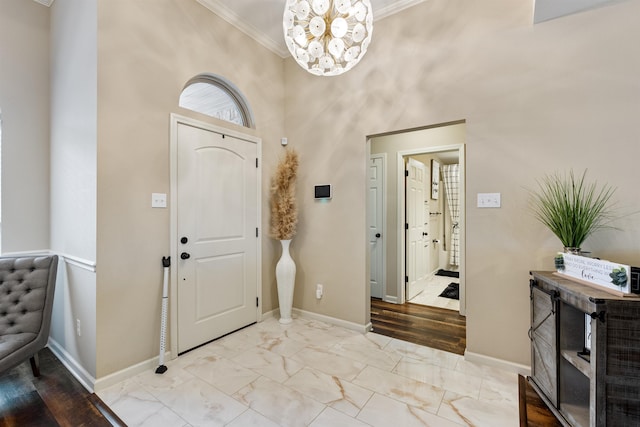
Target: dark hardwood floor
[[55, 398], [446, 330], [420, 324], [533, 410]]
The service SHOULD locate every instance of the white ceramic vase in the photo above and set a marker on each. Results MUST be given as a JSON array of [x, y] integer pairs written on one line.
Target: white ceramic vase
[[285, 277]]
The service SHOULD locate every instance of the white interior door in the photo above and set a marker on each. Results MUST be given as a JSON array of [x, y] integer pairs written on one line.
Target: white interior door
[[375, 213], [217, 220], [416, 233]]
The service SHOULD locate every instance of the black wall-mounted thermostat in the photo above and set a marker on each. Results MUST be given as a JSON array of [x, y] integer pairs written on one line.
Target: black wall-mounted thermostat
[[323, 192]]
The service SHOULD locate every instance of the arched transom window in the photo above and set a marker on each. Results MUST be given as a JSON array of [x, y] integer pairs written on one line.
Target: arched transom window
[[216, 97]]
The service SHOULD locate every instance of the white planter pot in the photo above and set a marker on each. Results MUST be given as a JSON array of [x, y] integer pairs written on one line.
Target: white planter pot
[[285, 277]]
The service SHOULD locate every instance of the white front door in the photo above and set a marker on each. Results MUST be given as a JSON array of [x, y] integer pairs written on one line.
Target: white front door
[[375, 212], [217, 220], [416, 234]]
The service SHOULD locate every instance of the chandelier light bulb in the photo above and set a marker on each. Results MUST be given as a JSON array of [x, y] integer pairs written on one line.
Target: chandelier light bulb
[[327, 37]]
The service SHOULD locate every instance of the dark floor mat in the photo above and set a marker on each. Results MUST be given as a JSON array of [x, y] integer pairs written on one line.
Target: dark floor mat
[[452, 291], [448, 273]]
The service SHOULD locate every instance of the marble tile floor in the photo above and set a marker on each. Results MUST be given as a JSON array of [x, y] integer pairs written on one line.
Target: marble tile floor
[[430, 294], [310, 373]]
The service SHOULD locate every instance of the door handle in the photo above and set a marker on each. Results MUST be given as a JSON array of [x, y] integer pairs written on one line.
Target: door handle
[[425, 234], [185, 255], [378, 235]]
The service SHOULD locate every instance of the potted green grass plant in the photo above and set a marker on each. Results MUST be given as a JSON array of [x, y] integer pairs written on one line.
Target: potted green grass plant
[[572, 208]]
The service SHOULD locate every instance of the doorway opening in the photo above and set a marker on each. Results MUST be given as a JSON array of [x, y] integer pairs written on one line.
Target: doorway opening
[[418, 236]]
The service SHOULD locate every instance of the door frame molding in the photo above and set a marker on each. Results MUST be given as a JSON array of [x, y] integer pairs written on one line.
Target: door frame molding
[[401, 220], [174, 121], [383, 273]]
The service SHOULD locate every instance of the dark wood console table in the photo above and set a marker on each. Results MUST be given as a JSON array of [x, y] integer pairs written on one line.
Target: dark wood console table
[[600, 387]]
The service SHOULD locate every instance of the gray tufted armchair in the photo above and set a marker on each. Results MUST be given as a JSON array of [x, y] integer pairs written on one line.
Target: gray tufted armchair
[[26, 303]]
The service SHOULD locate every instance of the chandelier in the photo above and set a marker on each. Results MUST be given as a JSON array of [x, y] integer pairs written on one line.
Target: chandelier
[[327, 37]]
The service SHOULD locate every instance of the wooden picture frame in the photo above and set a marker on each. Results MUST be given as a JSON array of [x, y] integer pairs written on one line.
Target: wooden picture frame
[[435, 179]]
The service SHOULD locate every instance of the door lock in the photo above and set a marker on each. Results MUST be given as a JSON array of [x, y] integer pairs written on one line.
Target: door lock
[[185, 255], [378, 235], [184, 240]]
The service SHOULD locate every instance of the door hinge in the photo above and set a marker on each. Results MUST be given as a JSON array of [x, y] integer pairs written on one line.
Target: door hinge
[[256, 231], [406, 226], [257, 304], [406, 173], [406, 279], [256, 162]]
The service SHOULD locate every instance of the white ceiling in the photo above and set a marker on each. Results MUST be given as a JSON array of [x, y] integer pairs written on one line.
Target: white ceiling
[[262, 19]]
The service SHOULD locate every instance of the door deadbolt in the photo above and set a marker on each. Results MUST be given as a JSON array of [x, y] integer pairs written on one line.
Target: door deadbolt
[[378, 235], [184, 240]]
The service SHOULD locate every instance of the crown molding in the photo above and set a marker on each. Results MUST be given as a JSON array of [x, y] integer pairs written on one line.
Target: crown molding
[[44, 2], [394, 7]]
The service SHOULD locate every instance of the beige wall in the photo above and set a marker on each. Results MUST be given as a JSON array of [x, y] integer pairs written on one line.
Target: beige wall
[[562, 94], [147, 51], [24, 110]]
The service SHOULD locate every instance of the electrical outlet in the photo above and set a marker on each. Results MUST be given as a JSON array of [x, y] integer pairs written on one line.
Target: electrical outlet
[[78, 330], [158, 200], [319, 291]]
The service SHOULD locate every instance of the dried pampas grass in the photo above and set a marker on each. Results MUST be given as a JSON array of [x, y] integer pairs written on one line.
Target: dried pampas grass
[[284, 210]]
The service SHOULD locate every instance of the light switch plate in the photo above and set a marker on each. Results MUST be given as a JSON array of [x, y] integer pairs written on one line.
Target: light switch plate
[[158, 200], [488, 200]]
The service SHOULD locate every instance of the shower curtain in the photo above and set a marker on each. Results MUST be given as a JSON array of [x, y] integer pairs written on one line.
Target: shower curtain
[[451, 178]]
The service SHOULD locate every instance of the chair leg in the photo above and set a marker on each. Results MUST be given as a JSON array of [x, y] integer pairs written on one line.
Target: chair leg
[[35, 365]]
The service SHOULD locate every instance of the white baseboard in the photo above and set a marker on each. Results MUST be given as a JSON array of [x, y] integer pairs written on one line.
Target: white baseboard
[[131, 371], [497, 363], [269, 314], [96, 386], [390, 298], [333, 321], [82, 375]]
